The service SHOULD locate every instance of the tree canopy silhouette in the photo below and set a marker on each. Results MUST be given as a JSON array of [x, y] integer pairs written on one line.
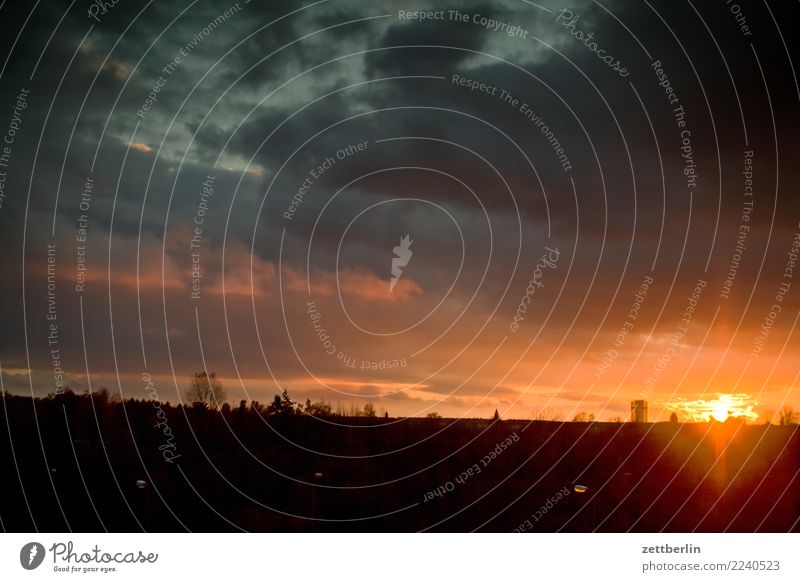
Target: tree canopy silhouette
[[205, 391]]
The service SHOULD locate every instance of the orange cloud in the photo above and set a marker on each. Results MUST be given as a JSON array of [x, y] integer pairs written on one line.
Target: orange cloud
[[244, 278], [251, 171], [94, 59], [148, 278], [140, 147]]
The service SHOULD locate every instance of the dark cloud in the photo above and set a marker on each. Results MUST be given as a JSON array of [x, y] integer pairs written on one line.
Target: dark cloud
[[622, 219]]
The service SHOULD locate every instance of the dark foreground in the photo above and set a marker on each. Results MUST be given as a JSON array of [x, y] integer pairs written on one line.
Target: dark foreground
[[72, 463]]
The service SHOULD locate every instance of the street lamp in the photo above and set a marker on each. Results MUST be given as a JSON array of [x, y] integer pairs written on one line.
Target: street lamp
[[580, 490], [141, 485]]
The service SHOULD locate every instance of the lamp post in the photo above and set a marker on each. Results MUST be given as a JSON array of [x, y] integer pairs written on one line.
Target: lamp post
[[584, 490], [142, 485]]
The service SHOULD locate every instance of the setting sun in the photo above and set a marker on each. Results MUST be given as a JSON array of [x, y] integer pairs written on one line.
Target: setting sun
[[721, 412], [722, 408]]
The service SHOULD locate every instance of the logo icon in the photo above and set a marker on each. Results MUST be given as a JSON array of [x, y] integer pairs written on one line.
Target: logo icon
[[31, 555], [402, 256]]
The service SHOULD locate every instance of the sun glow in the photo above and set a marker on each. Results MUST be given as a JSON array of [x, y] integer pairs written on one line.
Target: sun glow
[[721, 413], [722, 408]]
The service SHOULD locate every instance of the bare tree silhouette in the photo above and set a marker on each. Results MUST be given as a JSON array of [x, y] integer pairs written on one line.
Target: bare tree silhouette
[[205, 391], [788, 416]]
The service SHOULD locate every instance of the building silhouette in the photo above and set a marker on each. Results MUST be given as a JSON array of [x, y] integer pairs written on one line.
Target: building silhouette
[[638, 410]]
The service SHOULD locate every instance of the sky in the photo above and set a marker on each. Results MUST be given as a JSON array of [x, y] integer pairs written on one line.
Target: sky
[[598, 201]]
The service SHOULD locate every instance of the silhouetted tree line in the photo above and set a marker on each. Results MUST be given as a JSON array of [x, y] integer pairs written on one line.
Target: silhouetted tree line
[[90, 462], [206, 391]]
